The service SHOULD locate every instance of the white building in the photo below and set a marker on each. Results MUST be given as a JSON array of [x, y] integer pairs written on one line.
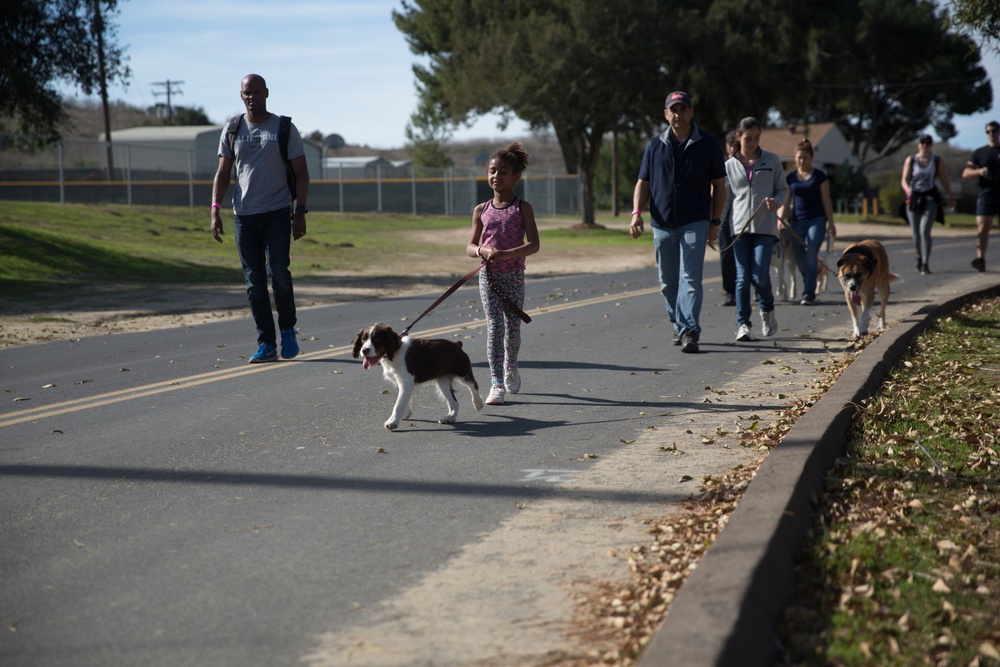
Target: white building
[[830, 146], [176, 151]]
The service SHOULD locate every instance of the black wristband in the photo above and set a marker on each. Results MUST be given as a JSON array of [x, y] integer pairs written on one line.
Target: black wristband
[[300, 208], [716, 222]]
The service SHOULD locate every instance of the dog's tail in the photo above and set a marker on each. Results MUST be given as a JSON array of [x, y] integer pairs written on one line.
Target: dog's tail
[[895, 278]]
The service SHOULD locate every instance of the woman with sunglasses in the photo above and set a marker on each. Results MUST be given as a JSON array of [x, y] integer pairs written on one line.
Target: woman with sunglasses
[[923, 200]]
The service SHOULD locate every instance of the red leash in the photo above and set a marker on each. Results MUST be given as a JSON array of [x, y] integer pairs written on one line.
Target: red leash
[[461, 281]]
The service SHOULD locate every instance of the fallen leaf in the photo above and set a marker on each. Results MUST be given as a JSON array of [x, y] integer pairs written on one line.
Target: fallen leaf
[[988, 650], [946, 545]]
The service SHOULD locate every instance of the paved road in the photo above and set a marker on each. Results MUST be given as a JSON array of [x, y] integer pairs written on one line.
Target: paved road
[[164, 503]]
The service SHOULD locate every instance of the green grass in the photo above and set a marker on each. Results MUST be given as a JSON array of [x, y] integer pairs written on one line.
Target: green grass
[[901, 568], [47, 247], [42, 245]]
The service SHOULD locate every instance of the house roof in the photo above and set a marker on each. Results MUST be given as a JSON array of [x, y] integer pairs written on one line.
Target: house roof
[[829, 144], [784, 140], [356, 161]]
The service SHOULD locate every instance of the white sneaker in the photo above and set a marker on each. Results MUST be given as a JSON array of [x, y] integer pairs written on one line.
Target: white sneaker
[[769, 323], [512, 380], [497, 393], [743, 333]]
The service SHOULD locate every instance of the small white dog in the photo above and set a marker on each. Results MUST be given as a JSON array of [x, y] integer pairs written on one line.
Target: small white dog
[[786, 271]]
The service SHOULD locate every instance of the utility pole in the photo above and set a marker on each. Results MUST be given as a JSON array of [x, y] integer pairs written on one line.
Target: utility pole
[[102, 75], [170, 89]]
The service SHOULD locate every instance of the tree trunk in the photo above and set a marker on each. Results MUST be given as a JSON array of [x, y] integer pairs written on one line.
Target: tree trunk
[[589, 151], [587, 197], [615, 208]]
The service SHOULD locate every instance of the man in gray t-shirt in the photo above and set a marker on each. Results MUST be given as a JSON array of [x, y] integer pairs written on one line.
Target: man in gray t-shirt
[[264, 225]]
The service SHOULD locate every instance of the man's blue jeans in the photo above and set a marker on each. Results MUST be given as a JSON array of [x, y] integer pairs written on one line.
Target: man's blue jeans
[[753, 265], [264, 243], [812, 232], [680, 258]]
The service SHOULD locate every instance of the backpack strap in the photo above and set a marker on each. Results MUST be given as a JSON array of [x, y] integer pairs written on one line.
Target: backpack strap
[[232, 130], [284, 129]]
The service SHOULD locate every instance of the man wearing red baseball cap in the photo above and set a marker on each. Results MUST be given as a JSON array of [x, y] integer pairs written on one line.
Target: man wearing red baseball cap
[[683, 178]]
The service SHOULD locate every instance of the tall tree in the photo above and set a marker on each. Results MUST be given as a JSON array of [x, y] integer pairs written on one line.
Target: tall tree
[[980, 16], [577, 66], [427, 134], [884, 70], [43, 42]]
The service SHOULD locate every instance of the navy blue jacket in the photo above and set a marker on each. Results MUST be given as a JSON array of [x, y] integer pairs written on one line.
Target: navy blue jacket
[[682, 193]]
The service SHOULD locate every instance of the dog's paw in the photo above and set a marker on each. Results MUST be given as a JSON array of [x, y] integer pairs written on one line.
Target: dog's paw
[[392, 424], [447, 419]]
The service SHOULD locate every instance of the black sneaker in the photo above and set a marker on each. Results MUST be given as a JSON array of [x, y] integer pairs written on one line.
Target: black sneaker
[[689, 343], [728, 299], [676, 340], [808, 300], [979, 264]]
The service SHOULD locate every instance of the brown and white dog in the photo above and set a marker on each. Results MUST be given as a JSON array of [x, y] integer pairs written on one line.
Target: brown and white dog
[[862, 269], [408, 362]]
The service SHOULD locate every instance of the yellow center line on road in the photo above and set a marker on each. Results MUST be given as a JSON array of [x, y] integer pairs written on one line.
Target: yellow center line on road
[[166, 386]]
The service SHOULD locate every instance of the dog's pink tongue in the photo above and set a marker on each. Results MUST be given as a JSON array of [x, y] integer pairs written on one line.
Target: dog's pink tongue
[[368, 362], [856, 298]]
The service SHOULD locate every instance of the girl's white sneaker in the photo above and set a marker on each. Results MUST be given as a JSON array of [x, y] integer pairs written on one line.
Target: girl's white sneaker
[[512, 380], [496, 396]]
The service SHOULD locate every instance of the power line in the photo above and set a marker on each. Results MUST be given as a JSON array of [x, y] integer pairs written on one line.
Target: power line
[[904, 84], [170, 89]]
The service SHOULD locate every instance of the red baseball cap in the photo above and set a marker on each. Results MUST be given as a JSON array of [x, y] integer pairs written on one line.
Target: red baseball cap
[[678, 97]]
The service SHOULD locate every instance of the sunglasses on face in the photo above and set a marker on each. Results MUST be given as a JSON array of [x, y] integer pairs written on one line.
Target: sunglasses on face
[[992, 130]]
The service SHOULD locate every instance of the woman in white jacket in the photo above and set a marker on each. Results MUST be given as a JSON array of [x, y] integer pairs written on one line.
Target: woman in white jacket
[[754, 176]]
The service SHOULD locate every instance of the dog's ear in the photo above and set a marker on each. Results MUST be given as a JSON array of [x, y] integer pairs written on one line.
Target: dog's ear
[[841, 262], [358, 342], [392, 342]]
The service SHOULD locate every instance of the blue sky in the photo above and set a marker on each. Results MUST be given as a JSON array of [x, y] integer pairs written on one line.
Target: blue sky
[[337, 66]]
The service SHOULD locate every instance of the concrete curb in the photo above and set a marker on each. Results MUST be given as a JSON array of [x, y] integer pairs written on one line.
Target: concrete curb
[[727, 612]]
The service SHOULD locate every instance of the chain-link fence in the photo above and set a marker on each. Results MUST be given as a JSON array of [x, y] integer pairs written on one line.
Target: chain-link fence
[[88, 171]]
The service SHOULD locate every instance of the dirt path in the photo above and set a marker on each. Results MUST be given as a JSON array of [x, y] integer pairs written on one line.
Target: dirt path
[[109, 309]]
